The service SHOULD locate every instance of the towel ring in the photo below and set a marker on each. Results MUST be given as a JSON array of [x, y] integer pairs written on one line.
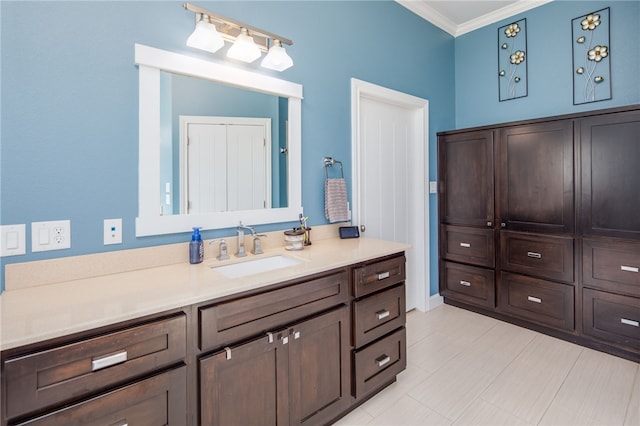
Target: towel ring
[[330, 162]]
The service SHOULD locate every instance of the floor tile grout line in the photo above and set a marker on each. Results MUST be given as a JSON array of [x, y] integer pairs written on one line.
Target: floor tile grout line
[[636, 380], [555, 395]]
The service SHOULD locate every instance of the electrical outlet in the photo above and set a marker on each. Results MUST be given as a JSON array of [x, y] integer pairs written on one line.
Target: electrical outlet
[[433, 187], [13, 240], [47, 236], [112, 231]]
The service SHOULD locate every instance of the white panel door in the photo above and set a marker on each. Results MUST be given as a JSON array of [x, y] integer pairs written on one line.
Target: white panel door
[[207, 168], [390, 174], [225, 164], [246, 159]]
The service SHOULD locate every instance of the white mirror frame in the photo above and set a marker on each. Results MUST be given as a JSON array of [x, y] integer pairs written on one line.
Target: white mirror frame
[[150, 62]]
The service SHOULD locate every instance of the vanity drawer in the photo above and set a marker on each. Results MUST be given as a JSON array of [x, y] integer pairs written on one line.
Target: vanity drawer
[[378, 364], [468, 245], [545, 302], [66, 372], [612, 266], [611, 317], [379, 275], [158, 400], [537, 255], [468, 284], [231, 321], [378, 314]]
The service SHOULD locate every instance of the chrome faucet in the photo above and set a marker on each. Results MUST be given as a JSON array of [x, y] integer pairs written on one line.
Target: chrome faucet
[[241, 251]]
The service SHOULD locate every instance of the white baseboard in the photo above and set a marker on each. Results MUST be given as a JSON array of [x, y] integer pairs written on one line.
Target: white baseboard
[[435, 301]]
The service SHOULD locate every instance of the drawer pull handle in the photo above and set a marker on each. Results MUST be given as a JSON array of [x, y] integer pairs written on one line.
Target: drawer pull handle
[[465, 283], [383, 360], [270, 336], [466, 245], [228, 352], [534, 299], [630, 322], [534, 255], [629, 268], [383, 275], [296, 335], [382, 314], [108, 361]]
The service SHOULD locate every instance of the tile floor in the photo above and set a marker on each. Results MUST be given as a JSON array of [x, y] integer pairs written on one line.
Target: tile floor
[[468, 369]]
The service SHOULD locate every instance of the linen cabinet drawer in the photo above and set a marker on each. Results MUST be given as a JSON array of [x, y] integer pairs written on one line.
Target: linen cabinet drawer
[[241, 318], [159, 400], [612, 266], [468, 245], [378, 364], [612, 317], [543, 302], [378, 314], [537, 255], [67, 372], [468, 284], [379, 275]]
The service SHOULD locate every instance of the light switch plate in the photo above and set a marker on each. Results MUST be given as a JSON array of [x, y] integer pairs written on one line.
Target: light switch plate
[[433, 187], [13, 241], [112, 231], [54, 235]]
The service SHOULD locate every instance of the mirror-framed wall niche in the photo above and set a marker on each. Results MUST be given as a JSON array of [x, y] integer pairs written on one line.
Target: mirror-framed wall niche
[[151, 221]]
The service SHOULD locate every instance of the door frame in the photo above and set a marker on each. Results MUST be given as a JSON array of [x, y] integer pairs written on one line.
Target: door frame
[[419, 171]]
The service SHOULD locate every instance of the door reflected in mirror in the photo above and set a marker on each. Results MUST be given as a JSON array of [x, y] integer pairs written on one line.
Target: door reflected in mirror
[[222, 148]]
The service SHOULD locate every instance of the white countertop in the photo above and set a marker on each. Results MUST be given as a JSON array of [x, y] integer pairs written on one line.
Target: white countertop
[[36, 314]]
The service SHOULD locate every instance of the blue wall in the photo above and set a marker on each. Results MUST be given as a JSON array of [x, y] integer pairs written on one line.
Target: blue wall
[[70, 93], [550, 71], [70, 99]]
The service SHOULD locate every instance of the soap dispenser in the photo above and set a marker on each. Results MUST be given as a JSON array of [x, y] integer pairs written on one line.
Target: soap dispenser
[[196, 247]]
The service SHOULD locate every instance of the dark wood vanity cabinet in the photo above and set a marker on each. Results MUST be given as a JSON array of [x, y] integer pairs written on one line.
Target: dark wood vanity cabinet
[[378, 332], [565, 252], [297, 375], [292, 370], [302, 352], [112, 377]]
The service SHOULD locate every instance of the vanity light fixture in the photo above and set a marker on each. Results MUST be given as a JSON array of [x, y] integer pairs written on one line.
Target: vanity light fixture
[[205, 36], [212, 30], [244, 49], [277, 58]]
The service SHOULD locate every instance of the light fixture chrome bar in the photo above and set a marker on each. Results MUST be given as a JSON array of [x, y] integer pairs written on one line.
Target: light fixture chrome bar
[[230, 28]]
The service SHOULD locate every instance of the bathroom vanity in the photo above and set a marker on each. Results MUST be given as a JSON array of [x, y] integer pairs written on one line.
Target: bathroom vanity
[[184, 345]]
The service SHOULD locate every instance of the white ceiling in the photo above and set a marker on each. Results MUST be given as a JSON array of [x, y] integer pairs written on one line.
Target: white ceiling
[[458, 17]]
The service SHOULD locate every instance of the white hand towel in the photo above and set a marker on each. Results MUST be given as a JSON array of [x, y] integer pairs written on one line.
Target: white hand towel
[[335, 200]]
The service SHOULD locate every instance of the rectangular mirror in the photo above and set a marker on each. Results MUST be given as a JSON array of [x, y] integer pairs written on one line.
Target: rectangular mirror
[[222, 148], [176, 90]]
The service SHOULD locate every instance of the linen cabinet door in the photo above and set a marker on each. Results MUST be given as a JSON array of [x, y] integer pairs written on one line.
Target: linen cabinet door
[[610, 179], [535, 178], [465, 167], [319, 368], [246, 384]]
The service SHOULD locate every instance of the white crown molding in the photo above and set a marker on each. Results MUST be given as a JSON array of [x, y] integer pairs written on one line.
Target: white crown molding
[[436, 18]]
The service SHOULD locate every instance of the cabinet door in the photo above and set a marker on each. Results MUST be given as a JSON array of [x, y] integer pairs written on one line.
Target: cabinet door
[[535, 177], [465, 165], [319, 368], [246, 384], [610, 177]]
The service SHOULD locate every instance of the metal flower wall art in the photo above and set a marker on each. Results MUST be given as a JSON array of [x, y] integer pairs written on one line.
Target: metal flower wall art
[[591, 57], [512, 60]]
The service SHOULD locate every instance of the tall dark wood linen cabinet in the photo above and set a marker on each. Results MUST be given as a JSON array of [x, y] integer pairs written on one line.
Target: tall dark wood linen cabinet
[[539, 225]]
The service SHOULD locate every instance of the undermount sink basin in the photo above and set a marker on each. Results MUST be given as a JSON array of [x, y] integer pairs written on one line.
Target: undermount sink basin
[[256, 266]]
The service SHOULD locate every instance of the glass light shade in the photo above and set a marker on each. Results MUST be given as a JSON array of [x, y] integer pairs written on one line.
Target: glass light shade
[[205, 37], [277, 58], [244, 48]]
